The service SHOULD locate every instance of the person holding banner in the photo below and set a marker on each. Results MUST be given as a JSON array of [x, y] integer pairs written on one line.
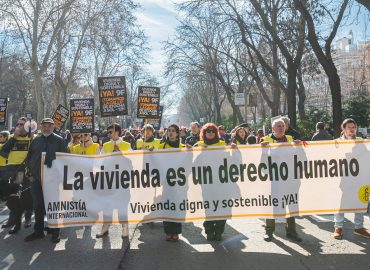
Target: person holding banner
[[18, 195], [115, 144], [209, 136], [50, 143], [349, 130], [172, 140], [87, 146], [148, 142], [278, 136]]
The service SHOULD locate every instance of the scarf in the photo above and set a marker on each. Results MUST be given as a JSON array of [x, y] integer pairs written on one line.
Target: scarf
[[281, 139], [210, 142], [50, 153], [173, 144]]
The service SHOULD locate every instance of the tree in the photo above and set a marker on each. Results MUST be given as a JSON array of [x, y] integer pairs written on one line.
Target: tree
[[365, 3], [37, 25], [357, 106], [198, 45], [323, 53]]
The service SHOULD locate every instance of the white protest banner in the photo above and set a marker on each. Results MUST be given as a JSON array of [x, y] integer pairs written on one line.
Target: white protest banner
[[212, 183]]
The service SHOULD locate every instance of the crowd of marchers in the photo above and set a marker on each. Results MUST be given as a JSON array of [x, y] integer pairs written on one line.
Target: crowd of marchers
[[20, 166]]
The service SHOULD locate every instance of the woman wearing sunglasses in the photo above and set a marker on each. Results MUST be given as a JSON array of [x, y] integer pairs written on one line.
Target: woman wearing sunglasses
[[172, 140], [209, 136]]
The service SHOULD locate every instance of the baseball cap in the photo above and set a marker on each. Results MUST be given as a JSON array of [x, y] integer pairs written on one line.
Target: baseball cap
[[47, 120]]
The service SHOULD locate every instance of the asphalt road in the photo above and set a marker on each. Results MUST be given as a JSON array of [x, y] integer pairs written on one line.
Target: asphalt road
[[242, 247]]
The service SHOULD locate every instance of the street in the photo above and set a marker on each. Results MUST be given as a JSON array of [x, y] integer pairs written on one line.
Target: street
[[242, 248]]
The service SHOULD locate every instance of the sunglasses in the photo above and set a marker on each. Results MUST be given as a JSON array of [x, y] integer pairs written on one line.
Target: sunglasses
[[210, 131], [19, 125]]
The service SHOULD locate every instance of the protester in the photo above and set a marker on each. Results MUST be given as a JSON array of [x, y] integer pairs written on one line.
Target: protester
[[239, 136], [4, 135], [349, 129], [76, 139], [95, 138], [289, 130], [172, 140], [223, 135], [115, 144], [148, 142], [260, 135], [106, 137], [17, 185], [209, 136], [246, 128], [193, 138], [251, 139], [50, 143], [321, 134], [278, 136], [86, 146], [128, 137], [183, 134]]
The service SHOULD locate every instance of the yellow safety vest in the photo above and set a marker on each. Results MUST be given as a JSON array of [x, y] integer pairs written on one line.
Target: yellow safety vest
[[166, 146], [70, 147], [2, 159], [108, 147], [269, 139], [92, 149], [202, 143], [156, 144], [19, 151]]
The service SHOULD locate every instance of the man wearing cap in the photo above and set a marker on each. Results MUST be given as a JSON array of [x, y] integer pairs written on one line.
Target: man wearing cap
[[50, 143]]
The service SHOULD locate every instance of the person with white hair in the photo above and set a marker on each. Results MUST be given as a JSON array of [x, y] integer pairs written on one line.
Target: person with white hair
[[278, 136]]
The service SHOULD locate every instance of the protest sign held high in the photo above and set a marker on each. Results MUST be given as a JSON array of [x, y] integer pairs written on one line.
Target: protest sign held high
[[156, 121], [148, 102], [82, 115], [112, 96], [60, 117], [3, 109], [207, 184]]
